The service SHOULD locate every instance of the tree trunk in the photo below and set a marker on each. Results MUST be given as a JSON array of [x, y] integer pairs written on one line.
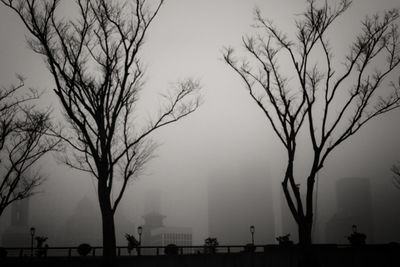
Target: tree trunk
[[108, 228], [305, 230], [109, 242]]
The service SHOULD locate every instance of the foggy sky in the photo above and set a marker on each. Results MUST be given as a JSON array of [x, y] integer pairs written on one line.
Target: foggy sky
[[186, 40]]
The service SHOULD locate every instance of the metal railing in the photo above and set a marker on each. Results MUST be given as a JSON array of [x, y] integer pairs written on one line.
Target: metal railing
[[123, 251], [159, 250]]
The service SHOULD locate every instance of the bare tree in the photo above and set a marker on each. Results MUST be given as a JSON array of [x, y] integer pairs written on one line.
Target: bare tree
[[327, 102], [94, 60], [23, 141]]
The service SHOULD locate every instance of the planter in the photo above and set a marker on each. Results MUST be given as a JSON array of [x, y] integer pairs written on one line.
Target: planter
[[84, 249]]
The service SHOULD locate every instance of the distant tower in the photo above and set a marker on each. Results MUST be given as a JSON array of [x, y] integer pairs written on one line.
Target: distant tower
[[354, 206], [17, 234], [152, 218], [151, 222]]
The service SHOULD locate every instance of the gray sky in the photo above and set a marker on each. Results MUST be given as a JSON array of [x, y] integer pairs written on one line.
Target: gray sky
[[186, 40]]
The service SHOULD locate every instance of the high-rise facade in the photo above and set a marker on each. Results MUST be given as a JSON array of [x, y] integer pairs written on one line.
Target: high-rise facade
[[238, 197], [17, 234], [354, 207]]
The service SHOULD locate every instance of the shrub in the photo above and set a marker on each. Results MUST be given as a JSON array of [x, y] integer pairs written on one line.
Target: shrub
[[84, 249], [171, 249]]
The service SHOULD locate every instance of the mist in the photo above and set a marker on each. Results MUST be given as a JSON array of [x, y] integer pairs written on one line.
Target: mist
[[219, 170]]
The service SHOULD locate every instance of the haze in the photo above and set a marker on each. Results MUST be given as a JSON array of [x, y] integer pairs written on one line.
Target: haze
[[226, 148]]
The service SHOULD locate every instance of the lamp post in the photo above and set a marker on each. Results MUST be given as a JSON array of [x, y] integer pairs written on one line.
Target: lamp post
[[252, 230], [140, 231], [32, 236]]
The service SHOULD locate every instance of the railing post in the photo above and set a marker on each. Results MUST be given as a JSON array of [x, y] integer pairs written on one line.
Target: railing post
[[69, 252], [21, 252], [119, 251], [94, 252], [229, 250], [181, 250], [158, 251]]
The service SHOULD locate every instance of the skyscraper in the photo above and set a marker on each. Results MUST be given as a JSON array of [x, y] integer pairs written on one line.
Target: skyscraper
[[354, 207], [17, 233], [239, 197]]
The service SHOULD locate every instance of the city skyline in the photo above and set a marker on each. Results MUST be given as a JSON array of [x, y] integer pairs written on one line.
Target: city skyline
[[227, 131]]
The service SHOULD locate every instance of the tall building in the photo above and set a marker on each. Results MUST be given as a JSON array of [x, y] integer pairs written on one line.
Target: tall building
[[152, 215], [152, 221], [354, 207], [239, 197], [180, 236], [85, 225], [154, 231], [17, 234]]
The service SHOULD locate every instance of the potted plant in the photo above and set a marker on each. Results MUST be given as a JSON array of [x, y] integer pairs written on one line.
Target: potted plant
[[210, 245], [284, 240], [356, 238], [84, 249], [41, 247], [132, 243]]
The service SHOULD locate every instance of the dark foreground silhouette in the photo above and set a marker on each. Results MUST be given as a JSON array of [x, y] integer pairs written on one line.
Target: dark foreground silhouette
[[263, 256]]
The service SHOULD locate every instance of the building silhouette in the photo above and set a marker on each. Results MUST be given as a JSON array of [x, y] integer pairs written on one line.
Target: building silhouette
[[238, 197], [155, 233], [354, 207], [85, 225], [163, 236], [17, 234], [152, 221]]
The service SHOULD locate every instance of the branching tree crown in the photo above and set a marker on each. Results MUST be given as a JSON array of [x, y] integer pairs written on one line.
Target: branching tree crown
[[94, 59], [23, 141], [311, 96]]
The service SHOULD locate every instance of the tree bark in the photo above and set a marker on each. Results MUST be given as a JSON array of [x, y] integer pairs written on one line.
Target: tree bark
[[305, 231], [108, 227]]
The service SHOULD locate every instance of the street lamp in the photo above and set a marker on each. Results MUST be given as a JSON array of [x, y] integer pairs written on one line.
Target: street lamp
[[140, 231], [252, 230], [32, 236]]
